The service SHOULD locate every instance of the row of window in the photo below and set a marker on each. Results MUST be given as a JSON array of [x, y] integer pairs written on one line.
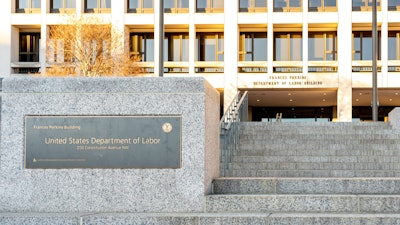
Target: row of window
[[209, 6], [322, 46]]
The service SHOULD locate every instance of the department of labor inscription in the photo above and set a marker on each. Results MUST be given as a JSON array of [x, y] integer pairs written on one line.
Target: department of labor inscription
[[102, 141]]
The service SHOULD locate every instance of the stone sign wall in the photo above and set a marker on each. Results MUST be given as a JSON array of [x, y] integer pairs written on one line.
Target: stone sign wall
[[107, 144]]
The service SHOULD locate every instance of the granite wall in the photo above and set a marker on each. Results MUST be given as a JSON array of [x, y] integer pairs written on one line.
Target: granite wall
[[109, 190], [394, 118]]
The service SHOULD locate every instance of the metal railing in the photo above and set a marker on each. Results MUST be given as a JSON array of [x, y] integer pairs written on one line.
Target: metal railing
[[229, 129]]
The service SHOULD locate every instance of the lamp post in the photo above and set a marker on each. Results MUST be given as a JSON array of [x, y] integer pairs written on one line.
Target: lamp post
[[161, 39], [374, 63]]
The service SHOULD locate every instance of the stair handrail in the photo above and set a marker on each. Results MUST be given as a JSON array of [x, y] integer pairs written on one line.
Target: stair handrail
[[234, 110], [229, 135]]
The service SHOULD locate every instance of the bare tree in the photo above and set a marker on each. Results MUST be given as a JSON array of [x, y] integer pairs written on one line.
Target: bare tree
[[88, 46]]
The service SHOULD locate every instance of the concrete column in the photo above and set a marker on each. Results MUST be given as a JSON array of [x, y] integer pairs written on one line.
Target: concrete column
[[192, 37], [80, 7], [157, 37], [231, 51], [270, 38], [118, 23], [344, 95], [43, 37], [305, 38], [5, 37], [118, 9], [384, 44]]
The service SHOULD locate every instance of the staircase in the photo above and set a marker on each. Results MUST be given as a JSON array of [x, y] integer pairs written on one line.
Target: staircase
[[312, 173]]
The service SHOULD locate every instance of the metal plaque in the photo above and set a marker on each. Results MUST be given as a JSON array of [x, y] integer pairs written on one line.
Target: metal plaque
[[143, 142]]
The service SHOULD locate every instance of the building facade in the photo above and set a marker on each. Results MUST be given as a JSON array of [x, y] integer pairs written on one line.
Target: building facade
[[303, 58]]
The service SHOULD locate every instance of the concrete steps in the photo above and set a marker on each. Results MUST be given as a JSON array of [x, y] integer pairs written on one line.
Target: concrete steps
[[242, 218], [300, 203], [315, 150], [280, 185], [314, 173]]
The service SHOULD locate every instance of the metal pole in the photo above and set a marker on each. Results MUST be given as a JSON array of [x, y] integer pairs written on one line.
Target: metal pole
[[374, 63], [161, 40]]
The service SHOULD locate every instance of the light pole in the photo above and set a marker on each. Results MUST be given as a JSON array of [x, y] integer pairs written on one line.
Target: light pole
[[161, 39], [374, 63]]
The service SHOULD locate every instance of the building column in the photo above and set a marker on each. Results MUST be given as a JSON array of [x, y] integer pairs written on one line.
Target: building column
[[120, 41], [192, 38], [80, 7], [157, 36], [305, 38], [44, 33], [344, 34], [5, 37], [231, 51], [270, 38], [384, 43]]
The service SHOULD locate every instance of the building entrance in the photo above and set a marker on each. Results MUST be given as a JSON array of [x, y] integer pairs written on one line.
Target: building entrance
[[292, 113]]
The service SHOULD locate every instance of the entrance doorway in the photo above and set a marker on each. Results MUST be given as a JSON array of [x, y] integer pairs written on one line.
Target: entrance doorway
[[268, 114]]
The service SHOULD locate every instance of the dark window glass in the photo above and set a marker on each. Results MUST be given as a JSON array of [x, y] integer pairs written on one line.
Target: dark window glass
[[260, 3], [362, 45], [29, 47], [288, 47], [330, 3], [210, 47], [169, 5], [143, 45], [57, 4], [176, 47], [36, 3], [26, 6], [314, 3], [23, 4], [91, 4], [295, 3], [393, 45], [362, 5], [133, 4], [105, 4], [322, 46], [253, 46], [279, 5], [70, 4], [147, 3], [244, 5], [209, 5], [393, 4]]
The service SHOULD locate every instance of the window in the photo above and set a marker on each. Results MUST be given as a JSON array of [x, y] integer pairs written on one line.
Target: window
[[210, 47], [29, 47], [252, 5], [140, 6], [97, 6], [176, 47], [394, 5], [287, 5], [176, 6], [288, 47], [62, 6], [321, 5], [365, 5], [210, 6], [28, 6], [142, 45], [322, 46], [253, 46], [362, 45], [394, 45]]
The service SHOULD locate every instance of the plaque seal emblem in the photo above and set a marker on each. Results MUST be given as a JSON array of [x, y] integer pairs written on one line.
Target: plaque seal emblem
[[167, 127]]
